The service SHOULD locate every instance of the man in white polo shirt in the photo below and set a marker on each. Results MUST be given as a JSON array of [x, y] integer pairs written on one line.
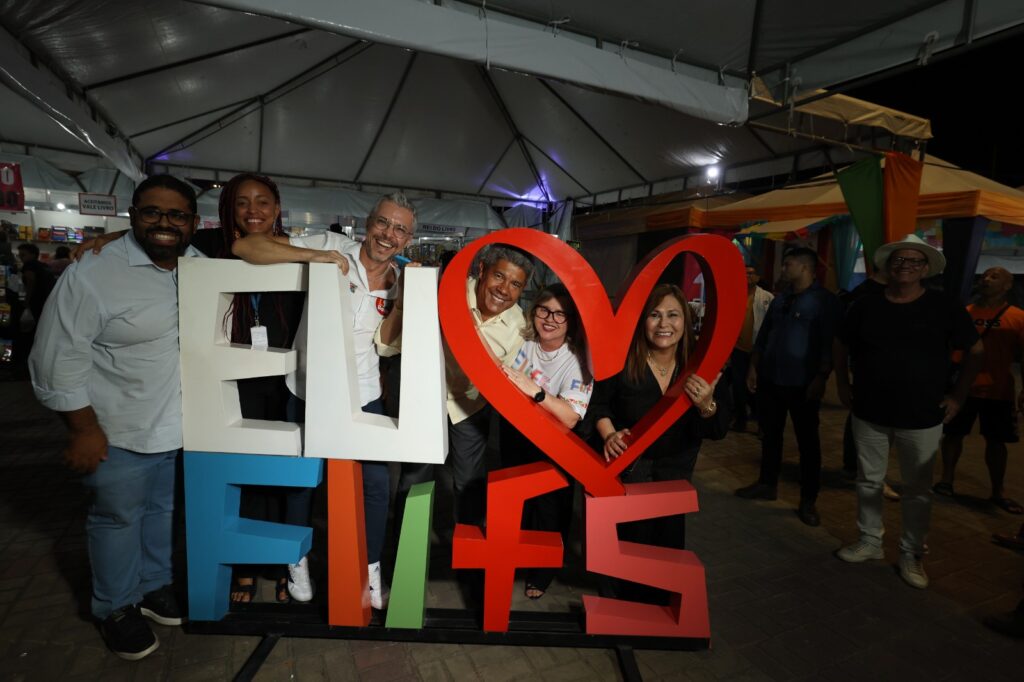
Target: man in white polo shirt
[[373, 278]]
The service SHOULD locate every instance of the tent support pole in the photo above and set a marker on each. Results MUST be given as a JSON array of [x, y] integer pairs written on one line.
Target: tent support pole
[[193, 60], [593, 130], [387, 115], [352, 47], [520, 140], [496, 164], [557, 165]]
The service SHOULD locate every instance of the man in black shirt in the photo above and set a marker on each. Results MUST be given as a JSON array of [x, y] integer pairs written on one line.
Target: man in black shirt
[[789, 366], [36, 277], [38, 282], [898, 342]]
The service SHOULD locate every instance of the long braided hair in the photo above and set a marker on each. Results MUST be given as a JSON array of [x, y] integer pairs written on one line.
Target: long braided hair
[[241, 316]]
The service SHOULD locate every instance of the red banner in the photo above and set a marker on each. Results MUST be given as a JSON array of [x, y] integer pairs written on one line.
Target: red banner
[[12, 192]]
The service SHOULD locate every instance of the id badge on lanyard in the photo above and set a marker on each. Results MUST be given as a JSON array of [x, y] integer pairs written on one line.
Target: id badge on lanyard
[[258, 333]]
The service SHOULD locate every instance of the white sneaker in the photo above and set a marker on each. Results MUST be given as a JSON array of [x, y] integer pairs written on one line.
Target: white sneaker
[[860, 551], [300, 585], [379, 592], [912, 571]]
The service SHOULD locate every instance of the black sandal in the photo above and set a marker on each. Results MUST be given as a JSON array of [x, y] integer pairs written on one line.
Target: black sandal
[[243, 593], [533, 588], [282, 591]]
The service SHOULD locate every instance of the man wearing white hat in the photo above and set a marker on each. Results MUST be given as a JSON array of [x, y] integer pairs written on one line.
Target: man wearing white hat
[[898, 342]]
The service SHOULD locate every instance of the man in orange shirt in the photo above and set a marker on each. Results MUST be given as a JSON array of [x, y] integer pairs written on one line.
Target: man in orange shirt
[[993, 397]]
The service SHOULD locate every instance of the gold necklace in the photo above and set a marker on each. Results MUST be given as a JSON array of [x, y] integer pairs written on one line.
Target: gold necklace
[[663, 371]]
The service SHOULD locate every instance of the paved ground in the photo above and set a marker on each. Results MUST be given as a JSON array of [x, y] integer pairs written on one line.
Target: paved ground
[[782, 607]]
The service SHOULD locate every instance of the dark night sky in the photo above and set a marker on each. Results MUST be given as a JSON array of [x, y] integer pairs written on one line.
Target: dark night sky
[[973, 101]]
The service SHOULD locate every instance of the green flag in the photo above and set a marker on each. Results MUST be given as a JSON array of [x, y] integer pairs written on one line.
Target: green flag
[[862, 188]]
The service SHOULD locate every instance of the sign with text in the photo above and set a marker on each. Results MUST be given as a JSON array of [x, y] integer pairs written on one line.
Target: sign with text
[[12, 191], [224, 451], [97, 204]]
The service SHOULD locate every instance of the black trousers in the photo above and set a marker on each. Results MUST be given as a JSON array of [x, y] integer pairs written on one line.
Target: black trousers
[[773, 404], [550, 512], [664, 531], [467, 446]]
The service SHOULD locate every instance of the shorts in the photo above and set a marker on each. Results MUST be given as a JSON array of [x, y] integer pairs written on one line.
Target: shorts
[[998, 420]]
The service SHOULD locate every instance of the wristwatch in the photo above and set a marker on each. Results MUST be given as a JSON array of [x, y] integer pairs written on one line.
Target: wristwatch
[[539, 398]]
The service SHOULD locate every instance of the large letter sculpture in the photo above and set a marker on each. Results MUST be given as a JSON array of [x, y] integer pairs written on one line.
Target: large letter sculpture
[[216, 535], [335, 426], [675, 570], [211, 365], [506, 546], [610, 333], [337, 429]]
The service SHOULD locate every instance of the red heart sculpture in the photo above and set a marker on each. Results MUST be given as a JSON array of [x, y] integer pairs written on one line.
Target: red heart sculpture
[[609, 334]]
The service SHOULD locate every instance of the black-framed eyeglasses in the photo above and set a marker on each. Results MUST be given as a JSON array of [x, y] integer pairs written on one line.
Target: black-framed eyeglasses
[[382, 224], [557, 316], [914, 263], [152, 216]]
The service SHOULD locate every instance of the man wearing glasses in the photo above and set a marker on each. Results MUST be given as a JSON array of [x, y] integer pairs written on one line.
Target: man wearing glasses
[[106, 359], [898, 342], [500, 275], [373, 283]]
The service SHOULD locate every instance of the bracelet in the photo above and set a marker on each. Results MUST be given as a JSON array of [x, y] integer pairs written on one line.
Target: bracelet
[[712, 408]]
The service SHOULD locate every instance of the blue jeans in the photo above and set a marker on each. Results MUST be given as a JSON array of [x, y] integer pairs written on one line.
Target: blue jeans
[[376, 496], [129, 527]]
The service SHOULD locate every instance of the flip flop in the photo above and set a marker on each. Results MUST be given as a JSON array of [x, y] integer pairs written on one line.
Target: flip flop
[[1007, 505], [1011, 541], [243, 593], [532, 588]]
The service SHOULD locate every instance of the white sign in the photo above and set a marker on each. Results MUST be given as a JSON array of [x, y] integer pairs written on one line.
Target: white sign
[[441, 229], [97, 204], [335, 425]]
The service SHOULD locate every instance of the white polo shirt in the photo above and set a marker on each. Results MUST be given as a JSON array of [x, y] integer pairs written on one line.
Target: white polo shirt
[[369, 308]]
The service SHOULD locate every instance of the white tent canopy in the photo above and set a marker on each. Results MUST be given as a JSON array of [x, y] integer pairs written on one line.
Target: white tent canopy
[[321, 206], [526, 101]]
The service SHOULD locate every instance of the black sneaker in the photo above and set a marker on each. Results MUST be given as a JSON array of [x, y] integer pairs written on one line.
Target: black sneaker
[[128, 635], [160, 606], [809, 514]]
